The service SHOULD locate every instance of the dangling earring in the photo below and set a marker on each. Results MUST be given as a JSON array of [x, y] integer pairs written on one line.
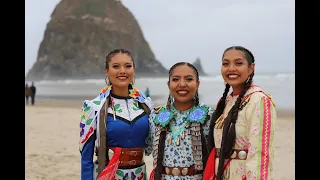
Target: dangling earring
[[248, 79], [107, 80]]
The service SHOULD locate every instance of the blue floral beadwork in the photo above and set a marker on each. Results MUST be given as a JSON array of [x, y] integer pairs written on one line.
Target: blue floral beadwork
[[163, 117], [199, 114]]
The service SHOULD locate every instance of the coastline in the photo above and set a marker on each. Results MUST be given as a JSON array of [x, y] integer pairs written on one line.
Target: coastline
[[77, 103]]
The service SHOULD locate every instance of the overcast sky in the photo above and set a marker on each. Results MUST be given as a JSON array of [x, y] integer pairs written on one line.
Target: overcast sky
[[182, 30]]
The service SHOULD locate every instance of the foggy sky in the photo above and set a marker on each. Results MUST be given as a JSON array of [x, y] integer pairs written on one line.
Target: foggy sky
[[182, 30]]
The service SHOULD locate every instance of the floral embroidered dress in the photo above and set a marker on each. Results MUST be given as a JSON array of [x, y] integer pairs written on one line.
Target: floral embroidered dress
[[180, 146], [255, 128], [128, 127]]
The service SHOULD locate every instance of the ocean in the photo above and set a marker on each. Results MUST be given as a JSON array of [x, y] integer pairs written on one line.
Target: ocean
[[281, 86]]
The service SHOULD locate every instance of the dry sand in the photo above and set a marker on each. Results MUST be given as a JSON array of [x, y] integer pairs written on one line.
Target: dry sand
[[52, 134]]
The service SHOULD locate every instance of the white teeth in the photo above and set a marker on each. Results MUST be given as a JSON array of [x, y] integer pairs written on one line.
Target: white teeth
[[182, 92], [232, 76], [122, 78]]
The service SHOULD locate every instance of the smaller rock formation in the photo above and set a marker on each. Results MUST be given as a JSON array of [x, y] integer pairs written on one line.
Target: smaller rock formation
[[197, 64]]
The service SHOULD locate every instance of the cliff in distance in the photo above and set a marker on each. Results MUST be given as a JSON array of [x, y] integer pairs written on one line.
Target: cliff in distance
[[198, 66], [82, 32]]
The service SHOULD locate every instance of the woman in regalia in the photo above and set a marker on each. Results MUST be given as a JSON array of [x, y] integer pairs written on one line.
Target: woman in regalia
[[114, 126]]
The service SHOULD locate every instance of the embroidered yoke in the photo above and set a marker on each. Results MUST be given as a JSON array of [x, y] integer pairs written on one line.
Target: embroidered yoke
[[255, 128], [127, 127], [183, 147]]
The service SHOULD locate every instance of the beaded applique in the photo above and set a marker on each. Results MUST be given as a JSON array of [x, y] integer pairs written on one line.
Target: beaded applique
[[163, 117]]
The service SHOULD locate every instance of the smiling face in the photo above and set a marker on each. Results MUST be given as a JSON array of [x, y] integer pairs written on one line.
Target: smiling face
[[120, 70], [235, 68], [183, 84]]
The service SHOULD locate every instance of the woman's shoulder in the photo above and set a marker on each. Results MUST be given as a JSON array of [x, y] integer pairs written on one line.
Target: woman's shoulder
[[255, 94], [208, 107], [158, 109], [205, 105], [138, 95]]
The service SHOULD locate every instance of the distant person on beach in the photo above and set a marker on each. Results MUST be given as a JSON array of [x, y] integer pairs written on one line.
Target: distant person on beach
[[147, 93], [27, 93], [181, 128], [33, 93], [243, 124], [116, 123]]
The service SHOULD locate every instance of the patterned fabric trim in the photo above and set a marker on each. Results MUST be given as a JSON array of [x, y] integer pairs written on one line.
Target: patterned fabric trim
[[265, 120]]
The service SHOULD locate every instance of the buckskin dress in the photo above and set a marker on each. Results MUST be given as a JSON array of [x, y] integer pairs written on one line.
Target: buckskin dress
[[255, 128], [129, 129]]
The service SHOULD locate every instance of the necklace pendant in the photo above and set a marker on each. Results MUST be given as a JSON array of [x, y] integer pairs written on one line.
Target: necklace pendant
[[182, 135], [178, 141], [170, 139]]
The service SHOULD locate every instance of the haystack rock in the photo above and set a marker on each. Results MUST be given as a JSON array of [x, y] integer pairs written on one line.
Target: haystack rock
[[82, 32], [197, 64]]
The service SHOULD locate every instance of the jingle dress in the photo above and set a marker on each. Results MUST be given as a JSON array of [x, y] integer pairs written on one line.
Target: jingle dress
[[127, 127], [182, 141], [255, 128]]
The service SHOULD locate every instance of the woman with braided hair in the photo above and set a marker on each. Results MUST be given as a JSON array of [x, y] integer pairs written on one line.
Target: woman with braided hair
[[242, 127], [181, 128], [116, 123]]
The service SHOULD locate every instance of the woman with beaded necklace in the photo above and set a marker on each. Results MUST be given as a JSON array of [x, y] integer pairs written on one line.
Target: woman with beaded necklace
[[180, 128], [116, 123], [242, 127]]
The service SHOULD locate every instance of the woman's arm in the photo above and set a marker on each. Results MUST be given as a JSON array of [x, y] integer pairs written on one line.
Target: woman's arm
[[207, 124], [87, 139], [261, 116], [149, 140], [87, 159]]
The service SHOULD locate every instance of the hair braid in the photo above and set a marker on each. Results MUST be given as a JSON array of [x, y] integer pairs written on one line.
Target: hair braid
[[196, 99], [168, 102], [217, 113]]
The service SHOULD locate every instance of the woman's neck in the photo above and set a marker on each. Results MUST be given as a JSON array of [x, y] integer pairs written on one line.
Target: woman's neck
[[236, 90], [183, 106], [120, 91]]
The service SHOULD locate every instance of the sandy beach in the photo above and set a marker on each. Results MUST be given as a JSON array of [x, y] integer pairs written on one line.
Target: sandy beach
[[52, 135]]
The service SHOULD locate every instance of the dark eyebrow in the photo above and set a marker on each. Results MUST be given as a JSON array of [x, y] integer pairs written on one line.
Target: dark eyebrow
[[187, 76], [235, 59], [119, 63]]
